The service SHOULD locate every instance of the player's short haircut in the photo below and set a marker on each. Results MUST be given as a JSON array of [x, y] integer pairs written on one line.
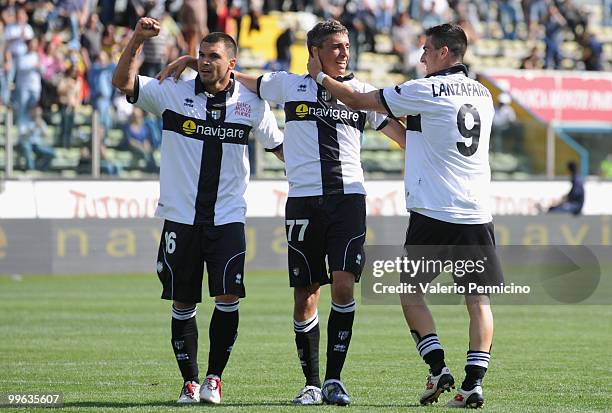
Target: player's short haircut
[[449, 35], [572, 167], [317, 35], [228, 42]]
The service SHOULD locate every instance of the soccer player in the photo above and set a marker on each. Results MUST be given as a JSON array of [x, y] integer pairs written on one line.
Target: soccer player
[[325, 211], [447, 179], [204, 174]]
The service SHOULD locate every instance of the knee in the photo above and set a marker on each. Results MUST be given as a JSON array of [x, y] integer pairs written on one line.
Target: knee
[[305, 300], [342, 287], [179, 305], [226, 299]]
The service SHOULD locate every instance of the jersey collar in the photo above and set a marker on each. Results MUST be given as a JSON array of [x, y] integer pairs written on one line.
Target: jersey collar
[[451, 70], [346, 78], [199, 87]]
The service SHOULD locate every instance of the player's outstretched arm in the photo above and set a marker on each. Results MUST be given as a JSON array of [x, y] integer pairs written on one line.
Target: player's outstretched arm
[[177, 67], [126, 71], [249, 81], [396, 131], [343, 92]]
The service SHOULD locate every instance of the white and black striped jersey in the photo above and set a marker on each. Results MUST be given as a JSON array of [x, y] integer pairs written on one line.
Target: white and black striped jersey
[[204, 164], [447, 144], [322, 136]]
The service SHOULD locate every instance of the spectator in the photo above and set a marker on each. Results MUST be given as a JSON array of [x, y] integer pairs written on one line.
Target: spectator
[[28, 81], [535, 13], [69, 95], [504, 122], [109, 44], [283, 51], [5, 69], [73, 11], [553, 37], [137, 140], [53, 66], [574, 200], [107, 167], [532, 60], [592, 52], [402, 37], [606, 6], [101, 89], [432, 13], [193, 20], [168, 25], [31, 142], [508, 18], [91, 39], [17, 32]]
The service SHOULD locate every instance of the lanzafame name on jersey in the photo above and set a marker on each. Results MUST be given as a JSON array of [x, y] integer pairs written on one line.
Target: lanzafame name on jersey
[[459, 89]]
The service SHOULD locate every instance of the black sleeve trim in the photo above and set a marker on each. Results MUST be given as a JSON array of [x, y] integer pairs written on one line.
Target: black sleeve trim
[[383, 124], [134, 99], [274, 149], [384, 102], [259, 86]]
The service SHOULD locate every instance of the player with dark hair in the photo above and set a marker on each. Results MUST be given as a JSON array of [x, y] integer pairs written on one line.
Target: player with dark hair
[[325, 212], [203, 178], [447, 177]]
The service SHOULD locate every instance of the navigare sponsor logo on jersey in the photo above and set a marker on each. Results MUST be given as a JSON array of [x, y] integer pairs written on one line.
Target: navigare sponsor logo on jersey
[[221, 132], [202, 128], [327, 112]]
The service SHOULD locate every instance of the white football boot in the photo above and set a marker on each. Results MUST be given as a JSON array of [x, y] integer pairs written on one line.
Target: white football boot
[[467, 399], [436, 385], [210, 391], [190, 393]]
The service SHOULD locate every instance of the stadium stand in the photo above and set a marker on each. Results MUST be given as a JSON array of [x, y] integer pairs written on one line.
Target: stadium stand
[[86, 35]]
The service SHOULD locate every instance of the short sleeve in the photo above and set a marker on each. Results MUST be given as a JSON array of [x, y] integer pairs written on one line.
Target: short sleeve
[[149, 95], [271, 86], [410, 98], [266, 130], [376, 120]]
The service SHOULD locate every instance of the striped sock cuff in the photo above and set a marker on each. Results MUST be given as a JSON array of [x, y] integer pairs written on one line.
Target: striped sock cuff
[[227, 307], [478, 358], [344, 308], [185, 314], [428, 343], [306, 325]]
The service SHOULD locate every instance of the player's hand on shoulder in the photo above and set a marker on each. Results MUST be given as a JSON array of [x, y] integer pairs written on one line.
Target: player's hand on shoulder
[[176, 67], [146, 28]]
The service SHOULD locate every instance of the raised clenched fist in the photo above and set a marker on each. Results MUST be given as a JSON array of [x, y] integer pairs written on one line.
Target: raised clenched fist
[[146, 28]]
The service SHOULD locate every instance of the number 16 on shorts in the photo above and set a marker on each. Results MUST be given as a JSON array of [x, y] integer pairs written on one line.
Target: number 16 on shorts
[[300, 226]]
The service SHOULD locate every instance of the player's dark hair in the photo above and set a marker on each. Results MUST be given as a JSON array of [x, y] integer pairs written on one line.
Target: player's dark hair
[[572, 167], [228, 42], [449, 35], [317, 35]]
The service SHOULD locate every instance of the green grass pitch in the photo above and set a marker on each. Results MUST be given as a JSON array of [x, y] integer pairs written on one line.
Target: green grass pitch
[[104, 342]]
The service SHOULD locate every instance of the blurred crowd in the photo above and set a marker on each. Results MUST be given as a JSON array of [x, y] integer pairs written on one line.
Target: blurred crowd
[[58, 55]]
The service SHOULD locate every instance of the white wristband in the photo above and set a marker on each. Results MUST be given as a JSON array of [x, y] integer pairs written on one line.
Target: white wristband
[[320, 78]]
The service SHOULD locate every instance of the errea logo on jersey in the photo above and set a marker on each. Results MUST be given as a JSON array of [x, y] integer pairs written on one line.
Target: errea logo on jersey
[[328, 112], [189, 127]]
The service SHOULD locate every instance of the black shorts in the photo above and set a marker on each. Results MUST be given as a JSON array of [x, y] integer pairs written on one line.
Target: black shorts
[[465, 250], [332, 226], [184, 249]]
